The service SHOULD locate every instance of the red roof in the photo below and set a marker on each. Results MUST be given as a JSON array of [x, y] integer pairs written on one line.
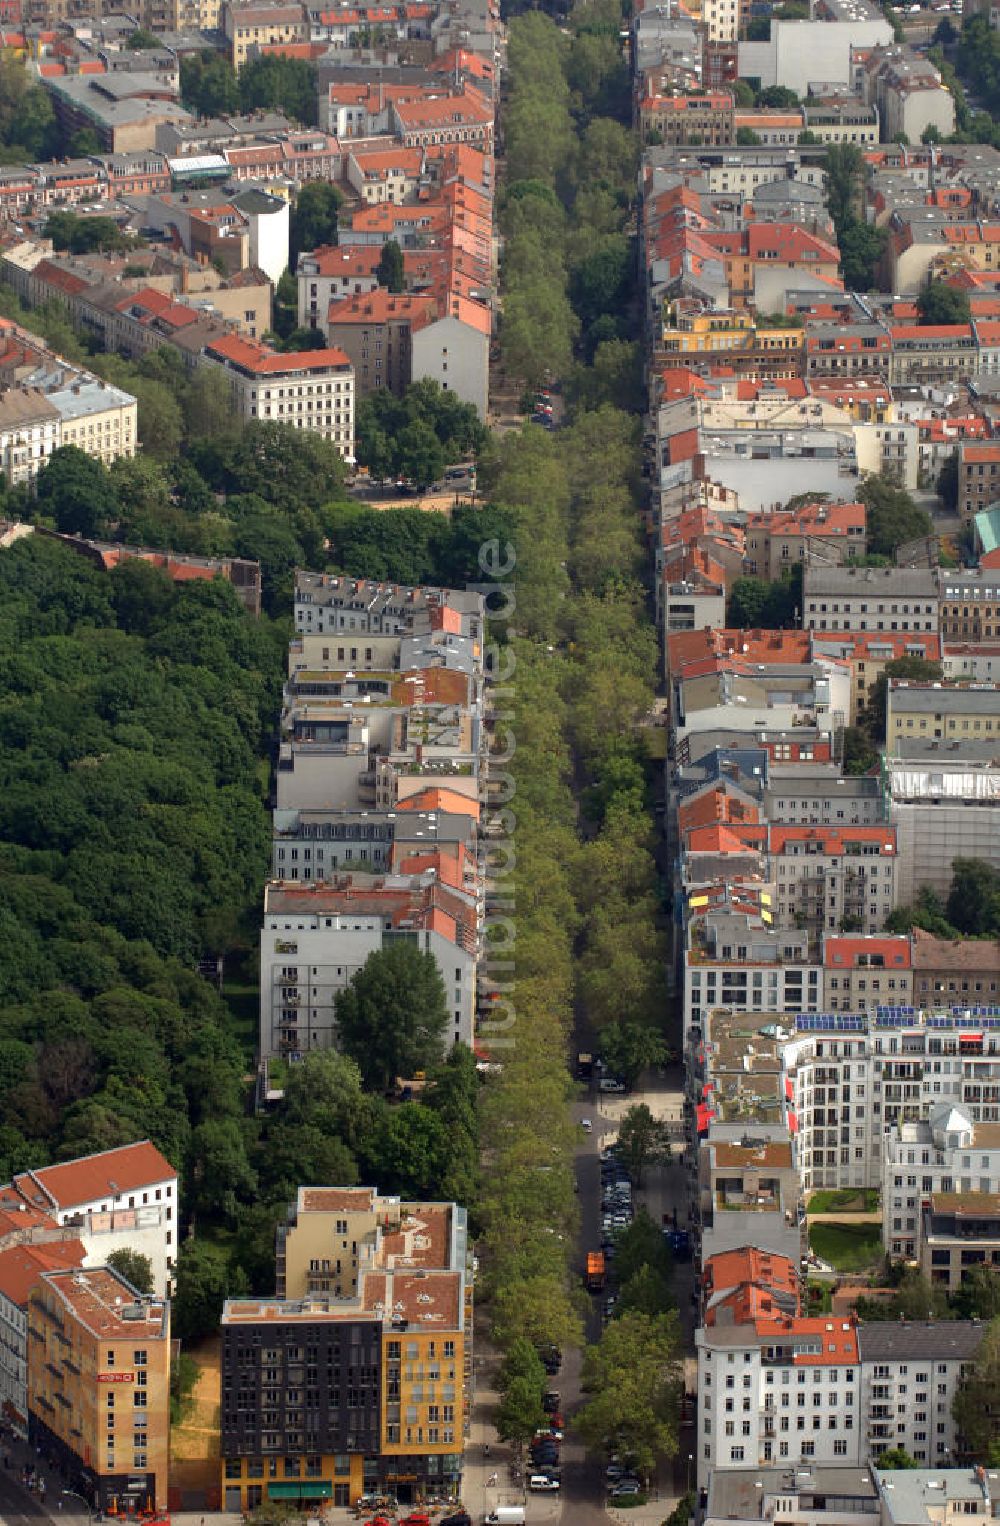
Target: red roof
[[843, 952], [932, 331], [23, 1265], [832, 841], [106, 1175], [258, 359], [872, 644]]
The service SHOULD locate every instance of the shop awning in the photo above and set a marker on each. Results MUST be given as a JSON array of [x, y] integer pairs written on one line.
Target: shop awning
[[301, 1489], [703, 1115]]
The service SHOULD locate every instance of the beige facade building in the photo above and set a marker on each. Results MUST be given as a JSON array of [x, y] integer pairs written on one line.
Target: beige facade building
[[99, 1386], [247, 28], [939, 712]]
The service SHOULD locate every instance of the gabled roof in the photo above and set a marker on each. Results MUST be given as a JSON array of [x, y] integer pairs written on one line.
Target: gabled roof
[[22, 1265], [107, 1175]]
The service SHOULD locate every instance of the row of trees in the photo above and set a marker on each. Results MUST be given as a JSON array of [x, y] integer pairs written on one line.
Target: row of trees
[[572, 163], [587, 896]]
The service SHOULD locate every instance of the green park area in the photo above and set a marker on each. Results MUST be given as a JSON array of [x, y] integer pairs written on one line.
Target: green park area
[[847, 1247], [844, 1200]]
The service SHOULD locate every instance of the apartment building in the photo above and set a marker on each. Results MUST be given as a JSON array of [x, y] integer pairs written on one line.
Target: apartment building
[[706, 117], [910, 1373], [941, 712], [777, 1389], [356, 1378], [842, 121], [96, 417], [308, 389], [312, 844], [49, 403], [978, 476], [970, 607], [924, 354], [836, 878], [20, 1268], [737, 960], [960, 972], [959, 1231], [870, 599], [855, 1076], [99, 1387], [317, 936], [861, 972], [748, 1193], [748, 1280], [811, 796], [328, 275], [945, 1152], [776, 541], [249, 29], [30, 430], [869, 651], [326, 603], [376, 331], [121, 1198]]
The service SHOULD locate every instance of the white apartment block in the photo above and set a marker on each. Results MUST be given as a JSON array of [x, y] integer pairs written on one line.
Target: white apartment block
[[946, 1152], [119, 1199], [910, 1372], [781, 1390], [819, 1391], [853, 1078], [316, 938], [306, 389]]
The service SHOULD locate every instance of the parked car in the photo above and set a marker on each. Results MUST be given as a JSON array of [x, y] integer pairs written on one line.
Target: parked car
[[626, 1488], [551, 1401], [587, 1125], [551, 1359], [541, 1483], [611, 1084]]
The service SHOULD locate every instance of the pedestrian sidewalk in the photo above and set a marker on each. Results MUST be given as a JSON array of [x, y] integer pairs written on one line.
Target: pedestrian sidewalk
[[47, 1483]]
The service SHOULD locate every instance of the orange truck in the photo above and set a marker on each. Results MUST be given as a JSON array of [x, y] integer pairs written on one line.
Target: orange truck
[[595, 1271]]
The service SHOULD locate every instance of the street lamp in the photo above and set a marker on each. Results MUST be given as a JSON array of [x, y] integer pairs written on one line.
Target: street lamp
[[690, 1461], [83, 1499]]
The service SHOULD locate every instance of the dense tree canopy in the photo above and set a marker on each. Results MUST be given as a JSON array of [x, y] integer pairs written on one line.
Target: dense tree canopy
[[938, 302], [392, 1017]]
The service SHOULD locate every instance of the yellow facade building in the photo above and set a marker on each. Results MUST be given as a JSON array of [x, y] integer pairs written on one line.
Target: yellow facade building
[[356, 1377], [99, 1386]]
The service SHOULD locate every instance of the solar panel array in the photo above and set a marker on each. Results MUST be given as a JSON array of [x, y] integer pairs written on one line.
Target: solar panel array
[[831, 1022], [895, 1017]]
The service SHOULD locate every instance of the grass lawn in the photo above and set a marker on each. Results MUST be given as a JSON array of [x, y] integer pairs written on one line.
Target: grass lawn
[[844, 1200], [848, 1247]]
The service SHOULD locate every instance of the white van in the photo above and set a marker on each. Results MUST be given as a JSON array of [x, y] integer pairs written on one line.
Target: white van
[[506, 1515]]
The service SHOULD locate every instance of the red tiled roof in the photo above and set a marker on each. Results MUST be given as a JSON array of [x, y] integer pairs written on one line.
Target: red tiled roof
[[106, 1175], [258, 359], [842, 952], [22, 1265], [831, 842]]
